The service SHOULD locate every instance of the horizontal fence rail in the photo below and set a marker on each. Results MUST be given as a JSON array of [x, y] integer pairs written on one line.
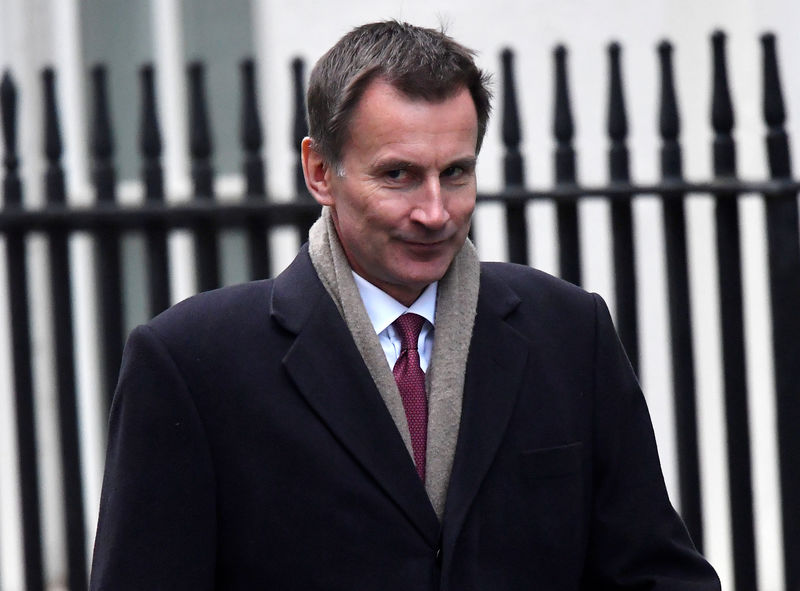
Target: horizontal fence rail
[[257, 215]]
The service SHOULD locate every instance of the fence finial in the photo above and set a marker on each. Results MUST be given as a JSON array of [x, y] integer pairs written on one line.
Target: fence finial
[[784, 273], [149, 131], [566, 209], [250, 121], [206, 254], [669, 123], [102, 141], [200, 133], [514, 169], [621, 214], [300, 125], [52, 134], [774, 112], [617, 118], [722, 118], [156, 235], [150, 137], [8, 105], [251, 135], [512, 134], [12, 187], [563, 127], [54, 176]]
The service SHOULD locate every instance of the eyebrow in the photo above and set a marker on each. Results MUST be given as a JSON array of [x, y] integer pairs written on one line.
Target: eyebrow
[[467, 163]]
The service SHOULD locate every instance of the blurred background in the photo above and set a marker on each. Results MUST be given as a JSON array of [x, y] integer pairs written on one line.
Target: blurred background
[[74, 36]]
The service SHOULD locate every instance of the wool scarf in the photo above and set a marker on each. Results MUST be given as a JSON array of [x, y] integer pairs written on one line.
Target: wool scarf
[[456, 302]]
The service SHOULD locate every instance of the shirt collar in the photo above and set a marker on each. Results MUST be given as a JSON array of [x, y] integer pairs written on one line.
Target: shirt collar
[[383, 309]]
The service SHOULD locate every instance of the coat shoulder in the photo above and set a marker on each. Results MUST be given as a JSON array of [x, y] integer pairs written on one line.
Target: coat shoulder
[[536, 288], [216, 310]]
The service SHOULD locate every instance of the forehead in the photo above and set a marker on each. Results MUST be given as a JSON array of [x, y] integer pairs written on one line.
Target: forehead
[[389, 121]]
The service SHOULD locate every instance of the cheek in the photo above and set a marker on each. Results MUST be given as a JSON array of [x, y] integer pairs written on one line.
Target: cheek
[[461, 209]]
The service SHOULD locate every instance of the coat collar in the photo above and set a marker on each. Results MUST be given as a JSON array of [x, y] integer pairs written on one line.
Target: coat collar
[[350, 404], [330, 374]]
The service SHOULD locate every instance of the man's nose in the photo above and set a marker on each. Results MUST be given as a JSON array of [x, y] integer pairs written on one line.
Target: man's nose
[[430, 208]]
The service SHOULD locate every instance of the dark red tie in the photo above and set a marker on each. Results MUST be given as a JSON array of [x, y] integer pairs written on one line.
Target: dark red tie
[[411, 382]]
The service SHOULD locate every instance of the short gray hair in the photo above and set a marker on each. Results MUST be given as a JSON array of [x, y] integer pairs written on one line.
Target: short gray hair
[[420, 63]]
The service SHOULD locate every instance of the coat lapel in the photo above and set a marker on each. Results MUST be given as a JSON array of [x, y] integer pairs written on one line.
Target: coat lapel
[[330, 374], [497, 358]]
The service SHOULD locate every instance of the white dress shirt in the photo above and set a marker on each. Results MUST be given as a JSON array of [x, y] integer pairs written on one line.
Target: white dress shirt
[[383, 309]]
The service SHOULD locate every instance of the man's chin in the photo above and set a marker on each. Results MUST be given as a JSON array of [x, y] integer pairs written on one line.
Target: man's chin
[[426, 273]]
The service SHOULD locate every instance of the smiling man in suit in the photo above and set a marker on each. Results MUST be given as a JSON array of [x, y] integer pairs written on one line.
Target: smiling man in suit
[[388, 413]]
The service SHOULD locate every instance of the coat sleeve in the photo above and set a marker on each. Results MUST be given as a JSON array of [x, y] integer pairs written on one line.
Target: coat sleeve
[[157, 526], [637, 540]]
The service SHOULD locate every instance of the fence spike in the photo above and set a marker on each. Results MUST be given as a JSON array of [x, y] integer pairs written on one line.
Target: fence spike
[[721, 107], [566, 210], [60, 289], [511, 128], [511, 132], [252, 140], [251, 134], [563, 127], [12, 187], [102, 142], [722, 119], [52, 134], [774, 112], [728, 238], [156, 236], [669, 123], [8, 106], [784, 274], [251, 123], [621, 214], [669, 120], [300, 126], [22, 371], [54, 176], [206, 254], [199, 128], [107, 239], [681, 346], [514, 170], [149, 130], [150, 137], [200, 133], [617, 119]]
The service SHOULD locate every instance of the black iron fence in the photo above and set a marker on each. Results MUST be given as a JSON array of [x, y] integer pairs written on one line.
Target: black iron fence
[[257, 214]]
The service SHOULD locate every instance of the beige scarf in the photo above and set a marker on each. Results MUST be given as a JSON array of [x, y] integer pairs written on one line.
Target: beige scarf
[[456, 301]]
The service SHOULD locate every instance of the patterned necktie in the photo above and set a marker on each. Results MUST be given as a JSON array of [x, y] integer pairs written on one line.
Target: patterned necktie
[[411, 382]]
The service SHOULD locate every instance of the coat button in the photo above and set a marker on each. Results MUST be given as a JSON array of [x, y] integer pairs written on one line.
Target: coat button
[[438, 556]]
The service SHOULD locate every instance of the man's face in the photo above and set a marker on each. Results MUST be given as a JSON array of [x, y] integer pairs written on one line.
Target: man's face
[[403, 203]]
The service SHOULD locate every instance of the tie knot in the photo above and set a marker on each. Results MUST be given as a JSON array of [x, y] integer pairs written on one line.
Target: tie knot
[[408, 327]]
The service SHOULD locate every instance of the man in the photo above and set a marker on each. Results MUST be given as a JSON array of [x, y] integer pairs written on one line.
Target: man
[[388, 413]]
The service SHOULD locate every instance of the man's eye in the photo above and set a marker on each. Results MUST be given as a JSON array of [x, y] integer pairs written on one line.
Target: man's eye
[[453, 172], [397, 174]]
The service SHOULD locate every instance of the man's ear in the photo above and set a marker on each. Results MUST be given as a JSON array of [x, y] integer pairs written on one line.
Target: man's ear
[[317, 173]]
